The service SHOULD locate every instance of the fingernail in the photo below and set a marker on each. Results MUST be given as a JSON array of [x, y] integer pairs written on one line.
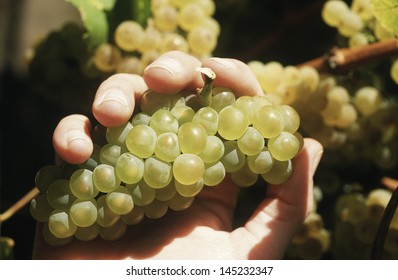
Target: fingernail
[[113, 95], [224, 62], [76, 139], [170, 65]]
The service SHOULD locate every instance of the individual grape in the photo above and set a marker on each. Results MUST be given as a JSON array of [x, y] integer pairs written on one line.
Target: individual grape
[[376, 202], [81, 184], [233, 159], [60, 224], [87, 233], [179, 202], [251, 142], [188, 169], [208, 6], [367, 100], [40, 209], [348, 115], [190, 190], [284, 147], [358, 40], [105, 216], [165, 18], [94, 158], [333, 11], [163, 121], [45, 176], [117, 135], [166, 193], [147, 57], [213, 150], [141, 193], [244, 177], [291, 118], [192, 138], [202, 40], [110, 153], [128, 35], [248, 105], [394, 71], [105, 179], [190, 16], [157, 173], [182, 113], [269, 121], [59, 195], [222, 97], [151, 101], [83, 213], [129, 168], [156, 209], [141, 141], [167, 146], [134, 217], [151, 39], [140, 118], [279, 173], [208, 118], [214, 173], [52, 239], [107, 57], [113, 232], [173, 42], [261, 163], [233, 123], [350, 24], [130, 65], [363, 8], [120, 201]]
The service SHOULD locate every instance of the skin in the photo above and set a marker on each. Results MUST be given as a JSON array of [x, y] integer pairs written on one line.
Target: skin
[[205, 230]]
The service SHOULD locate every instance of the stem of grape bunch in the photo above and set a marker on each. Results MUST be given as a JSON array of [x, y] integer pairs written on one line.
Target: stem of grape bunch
[[19, 205]]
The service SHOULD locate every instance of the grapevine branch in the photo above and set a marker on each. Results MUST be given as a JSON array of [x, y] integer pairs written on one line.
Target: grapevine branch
[[341, 60], [19, 204]]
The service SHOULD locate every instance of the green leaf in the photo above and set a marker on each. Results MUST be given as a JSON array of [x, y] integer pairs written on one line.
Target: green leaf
[[141, 11], [93, 14], [386, 12]]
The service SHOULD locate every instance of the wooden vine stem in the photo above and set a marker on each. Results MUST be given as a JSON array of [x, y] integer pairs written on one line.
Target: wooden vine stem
[[341, 60], [19, 204]]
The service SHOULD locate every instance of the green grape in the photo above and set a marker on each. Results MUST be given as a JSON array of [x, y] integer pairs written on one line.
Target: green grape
[[134, 217], [190, 16], [251, 142], [367, 100], [248, 105], [233, 159], [244, 177], [94, 158], [129, 168], [222, 97], [60, 224], [179, 202], [141, 141], [151, 39], [394, 71], [213, 150], [163, 121], [120, 201], [192, 138], [141, 193], [81, 184], [140, 118], [157, 173], [269, 121], [173, 42], [208, 118], [214, 173], [105, 179], [233, 123], [130, 65], [279, 173], [52, 239], [284, 147], [156, 209], [202, 40], [106, 57], [167, 146], [117, 135], [128, 35], [40, 209], [165, 18], [59, 195], [109, 154], [45, 176], [190, 190], [105, 216], [166, 193], [261, 163], [151, 101], [113, 232], [350, 23], [291, 118], [87, 233], [333, 11], [183, 113], [188, 168], [83, 213]]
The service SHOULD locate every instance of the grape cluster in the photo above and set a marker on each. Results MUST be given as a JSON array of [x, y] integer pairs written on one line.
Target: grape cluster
[[170, 150], [357, 221], [187, 26]]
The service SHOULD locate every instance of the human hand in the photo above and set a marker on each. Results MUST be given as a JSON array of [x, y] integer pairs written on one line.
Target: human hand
[[205, 230]]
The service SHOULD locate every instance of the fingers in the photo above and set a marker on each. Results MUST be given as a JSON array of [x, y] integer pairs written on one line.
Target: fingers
[[271, 227], [71, 139], [115, 99]]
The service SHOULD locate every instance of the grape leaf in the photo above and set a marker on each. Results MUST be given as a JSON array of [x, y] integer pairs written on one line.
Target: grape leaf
[[93, 14], [386, 12]]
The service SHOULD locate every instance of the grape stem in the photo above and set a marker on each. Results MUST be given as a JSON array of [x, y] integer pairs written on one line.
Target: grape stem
[[205, 93], [342, 60], [19, 204]]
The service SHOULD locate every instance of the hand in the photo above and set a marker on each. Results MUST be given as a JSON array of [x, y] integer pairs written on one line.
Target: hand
[[203, 231]]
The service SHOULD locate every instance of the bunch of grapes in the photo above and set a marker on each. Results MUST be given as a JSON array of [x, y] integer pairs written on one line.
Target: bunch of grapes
[[357, 221], [172, 148], [187, 26]]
